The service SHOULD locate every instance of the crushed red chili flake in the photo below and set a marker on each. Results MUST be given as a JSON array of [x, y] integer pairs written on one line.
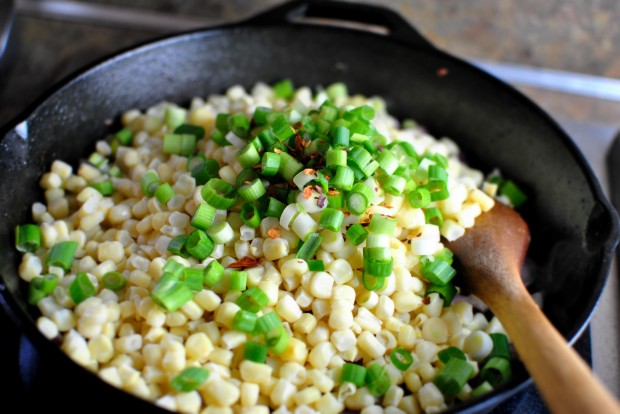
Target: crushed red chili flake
[[426, 300], [274, 233], [318, 189], [309, 171], [307, 193], [321, 201], [442, 72], [246, 262], [332, 192]]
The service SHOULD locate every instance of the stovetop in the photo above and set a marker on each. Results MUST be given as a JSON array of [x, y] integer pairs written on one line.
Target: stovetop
[[69, 46]]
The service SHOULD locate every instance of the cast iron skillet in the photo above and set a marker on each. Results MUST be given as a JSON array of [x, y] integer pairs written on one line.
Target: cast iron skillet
[[574, 229]]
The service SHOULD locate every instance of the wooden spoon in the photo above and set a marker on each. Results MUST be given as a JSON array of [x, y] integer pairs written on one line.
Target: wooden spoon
[[492, 254]]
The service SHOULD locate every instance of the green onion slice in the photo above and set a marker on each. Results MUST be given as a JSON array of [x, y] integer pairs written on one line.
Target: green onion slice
[[255, 352], [219, 194], [61, 254], [190, 379], [81, 288], [453, 377], [401, 358], [28, 238], [353, 373], [253, 300], [114, 281]]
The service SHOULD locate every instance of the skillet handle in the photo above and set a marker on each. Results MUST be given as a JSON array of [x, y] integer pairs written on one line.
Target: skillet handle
[[294, 13]]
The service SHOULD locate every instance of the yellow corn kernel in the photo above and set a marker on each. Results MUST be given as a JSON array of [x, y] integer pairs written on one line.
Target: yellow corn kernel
[[198, 346], [254, 372]]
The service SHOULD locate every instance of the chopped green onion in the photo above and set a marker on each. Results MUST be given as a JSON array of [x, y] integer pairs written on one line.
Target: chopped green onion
[[171, 294], [481, 389], [451, 352], [195, 161], [244, 321], [371, 282], [501, 347], [377, 380], [114, 281], [438, 272], [393, 184], [353, 373], [149, 182], [260, 115], [219, 194], [61, 255], [433, 216], [340, 136], [253, 299], [270, 163], [248, 156], [221, 232], [267, 322], [221, 122], [106, 187], [174, 116], [335, 157], [177, 245], [382, 225], [250, 215], [255, 352], [274, 208], [447, 292], [124, 136], [331, 219], [387, 162], [190, 379], [359, 157], [252, 191], [453, 377], [335, 200], [445, 254], [246, 176], [401, 358], [310, 247], [213, 273], [81, 288], [364, 112], [377, 261], [284, 89], [437, 178], [337, 90], [164, 193], [194, 278], [180, 144], [199, 244], [277, 340], [205, 171], [40, 287], [359, 198], [28, 238], [195, 130], [419, 197], [496, 370], [239, 125], [238, 280], [219, 137], [343, 180], [289, 166], [281, 128], [357, 234], [316, 265], [203, 216], [174, 268], [440, 194], [516, 196]]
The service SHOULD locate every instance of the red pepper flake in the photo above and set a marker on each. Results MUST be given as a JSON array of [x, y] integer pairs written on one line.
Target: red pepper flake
[[321, 202], [274, 233], [318, 189], [307, 193], [442, 72], [426, 300], [333, 192], [309, 171], [245, 263], [327, 177]]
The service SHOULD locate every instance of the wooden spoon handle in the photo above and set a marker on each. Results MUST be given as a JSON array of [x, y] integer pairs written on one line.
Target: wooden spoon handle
[[563, 378]]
